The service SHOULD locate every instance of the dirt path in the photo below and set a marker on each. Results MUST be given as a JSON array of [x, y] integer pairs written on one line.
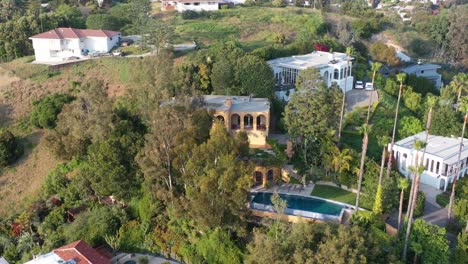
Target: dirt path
[[388, 40]]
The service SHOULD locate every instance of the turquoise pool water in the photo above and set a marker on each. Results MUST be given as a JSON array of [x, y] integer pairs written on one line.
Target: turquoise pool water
[[303, 203]]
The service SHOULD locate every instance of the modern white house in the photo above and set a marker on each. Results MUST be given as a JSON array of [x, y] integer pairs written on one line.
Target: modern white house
[[63, 43], [333, 68], [427, 70], [440, 160], [193, 5]]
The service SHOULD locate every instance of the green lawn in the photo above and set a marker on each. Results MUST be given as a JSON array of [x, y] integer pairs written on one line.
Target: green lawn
[[336, 194]]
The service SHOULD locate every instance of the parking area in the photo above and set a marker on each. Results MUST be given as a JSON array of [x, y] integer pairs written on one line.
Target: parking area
[[360, 98]]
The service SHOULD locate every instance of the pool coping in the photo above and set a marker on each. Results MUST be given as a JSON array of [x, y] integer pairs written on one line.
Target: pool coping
[[313, 215]]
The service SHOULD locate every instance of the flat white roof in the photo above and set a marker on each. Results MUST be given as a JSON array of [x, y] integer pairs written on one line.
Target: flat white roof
[[48, 258], [239, 103], [444, 147], [316, 59]]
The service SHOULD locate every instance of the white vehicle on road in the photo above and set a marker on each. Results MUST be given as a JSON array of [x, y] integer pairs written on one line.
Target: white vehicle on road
[[369, 86], [359, 85]]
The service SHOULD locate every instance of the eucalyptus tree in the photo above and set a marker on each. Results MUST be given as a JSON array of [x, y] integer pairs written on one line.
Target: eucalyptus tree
[[462, 107], [349, 51], [375, 66], [400, 78], [460, 84], [416, 170], [365, 130]]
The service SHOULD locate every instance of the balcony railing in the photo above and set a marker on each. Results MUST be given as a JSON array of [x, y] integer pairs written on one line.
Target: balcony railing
[[261, 127], [235, 126]]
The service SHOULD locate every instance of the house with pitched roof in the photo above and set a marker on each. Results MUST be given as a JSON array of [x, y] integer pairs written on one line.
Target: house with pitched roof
[[426, 70], [61, 44], [77, 252], [440, 160]]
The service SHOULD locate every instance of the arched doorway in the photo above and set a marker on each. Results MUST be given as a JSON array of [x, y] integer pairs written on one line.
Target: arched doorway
[[442, 184], [248, 122], [261, 122], [235, 121], [270, 176], [258, 178]]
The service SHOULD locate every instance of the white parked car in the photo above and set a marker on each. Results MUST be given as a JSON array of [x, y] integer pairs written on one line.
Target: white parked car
[[359, 85], [369, 86]]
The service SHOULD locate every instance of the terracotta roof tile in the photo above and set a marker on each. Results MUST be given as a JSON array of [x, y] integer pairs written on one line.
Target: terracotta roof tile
[[73, 33], [81, 253]]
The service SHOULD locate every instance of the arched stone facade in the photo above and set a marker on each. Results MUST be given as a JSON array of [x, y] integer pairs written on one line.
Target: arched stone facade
[[269, 175]]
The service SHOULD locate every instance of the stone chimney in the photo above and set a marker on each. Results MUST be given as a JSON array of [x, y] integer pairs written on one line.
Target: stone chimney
[[228, 102]]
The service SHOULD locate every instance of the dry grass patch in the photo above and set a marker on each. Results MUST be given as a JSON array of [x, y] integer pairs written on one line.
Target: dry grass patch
[[21, 183]]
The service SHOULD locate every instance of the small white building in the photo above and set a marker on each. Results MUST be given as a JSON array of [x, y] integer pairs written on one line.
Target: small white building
[[193, 5], [62, 43], [427, 70], [332, 66], [440, 160]]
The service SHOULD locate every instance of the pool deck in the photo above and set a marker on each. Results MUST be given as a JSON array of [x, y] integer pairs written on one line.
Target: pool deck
[[287, 188]]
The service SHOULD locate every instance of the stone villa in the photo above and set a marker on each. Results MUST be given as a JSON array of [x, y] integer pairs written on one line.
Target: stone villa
[[242, 113]]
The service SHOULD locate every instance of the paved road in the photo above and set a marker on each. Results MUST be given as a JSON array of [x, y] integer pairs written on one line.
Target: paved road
[[359, 98]]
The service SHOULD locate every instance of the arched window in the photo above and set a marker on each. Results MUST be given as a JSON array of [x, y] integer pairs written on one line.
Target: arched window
[[270, 177], [336, 74], [248, 122], [258, 178], [220, 118], [235, 121], [341, 74], [325, 77], [261, 122]]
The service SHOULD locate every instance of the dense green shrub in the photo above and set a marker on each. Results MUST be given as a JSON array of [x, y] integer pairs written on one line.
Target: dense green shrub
[[10, 148], [45, 111], [420, 204], [443, 199]]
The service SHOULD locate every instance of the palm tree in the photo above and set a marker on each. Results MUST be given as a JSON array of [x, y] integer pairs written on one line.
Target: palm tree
[[341, 161], [403, 184], [431, 102], [349, 51], [416, 170], [400, 78], [463, 107], [417, 248], [383, 141], [365, 130], [375, 66], [460, 84]]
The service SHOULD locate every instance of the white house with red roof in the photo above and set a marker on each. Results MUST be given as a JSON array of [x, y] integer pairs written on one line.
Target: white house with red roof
[[63, 43], [77, 252]]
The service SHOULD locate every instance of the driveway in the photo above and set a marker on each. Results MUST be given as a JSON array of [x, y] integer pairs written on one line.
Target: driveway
[[433, 212], [360, 98]]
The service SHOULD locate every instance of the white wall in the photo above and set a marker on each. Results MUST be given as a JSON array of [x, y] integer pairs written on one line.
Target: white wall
[[50, 50], [206, 6]]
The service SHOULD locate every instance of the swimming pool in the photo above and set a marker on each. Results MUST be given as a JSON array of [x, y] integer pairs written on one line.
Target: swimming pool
[[304, 206]]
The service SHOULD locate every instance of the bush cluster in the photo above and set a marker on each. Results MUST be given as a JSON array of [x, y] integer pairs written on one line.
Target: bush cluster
[[45, 111], [10, 148], [420, 204]]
